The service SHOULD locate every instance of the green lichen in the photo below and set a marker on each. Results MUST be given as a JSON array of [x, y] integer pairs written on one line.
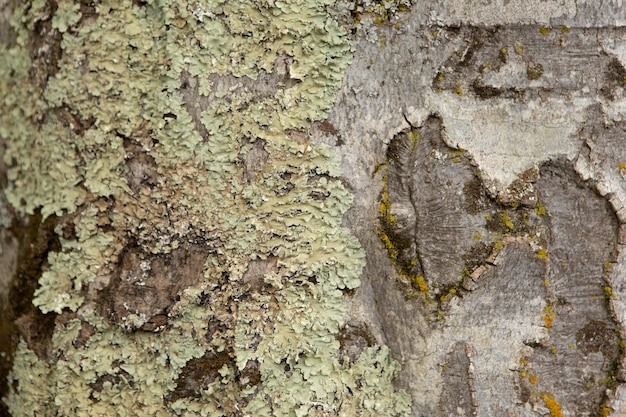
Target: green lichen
[[66, 15], [118, 84]]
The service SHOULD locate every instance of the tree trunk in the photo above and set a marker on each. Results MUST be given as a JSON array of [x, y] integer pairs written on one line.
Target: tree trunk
[[309, 208]]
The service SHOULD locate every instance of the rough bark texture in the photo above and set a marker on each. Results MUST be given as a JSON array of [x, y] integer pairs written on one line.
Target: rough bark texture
[[313, 208]]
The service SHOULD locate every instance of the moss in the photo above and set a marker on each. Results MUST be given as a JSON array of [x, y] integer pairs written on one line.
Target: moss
[[544, 30], [119, 86]]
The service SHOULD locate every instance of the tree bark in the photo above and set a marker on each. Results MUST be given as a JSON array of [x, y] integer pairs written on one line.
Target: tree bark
[[312, 208]]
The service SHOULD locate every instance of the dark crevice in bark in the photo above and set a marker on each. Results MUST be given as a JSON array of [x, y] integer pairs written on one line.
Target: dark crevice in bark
[[45, 50], [35, 239]]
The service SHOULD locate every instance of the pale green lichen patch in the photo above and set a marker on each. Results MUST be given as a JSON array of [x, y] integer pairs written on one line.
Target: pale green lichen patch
[[113, 142], [66, 15]]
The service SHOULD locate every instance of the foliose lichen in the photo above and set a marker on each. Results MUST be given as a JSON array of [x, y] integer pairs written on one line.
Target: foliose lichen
[[117, 86]]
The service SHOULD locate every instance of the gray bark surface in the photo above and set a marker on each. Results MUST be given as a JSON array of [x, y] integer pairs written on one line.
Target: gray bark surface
[[498, 137]]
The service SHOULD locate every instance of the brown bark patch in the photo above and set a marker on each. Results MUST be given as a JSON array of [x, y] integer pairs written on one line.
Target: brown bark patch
[[198, 373], [353, 340], [142, 168], [147, 285]]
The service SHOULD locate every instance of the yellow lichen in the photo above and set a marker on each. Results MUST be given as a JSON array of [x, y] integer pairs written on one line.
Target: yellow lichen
[[544, 30], [378, 168], [507, 221], [608, 291], [533, 379], [421, 283], [605, 410], [552, 404], [391, 249], [542, 254], [548, 316], [540, 209]]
